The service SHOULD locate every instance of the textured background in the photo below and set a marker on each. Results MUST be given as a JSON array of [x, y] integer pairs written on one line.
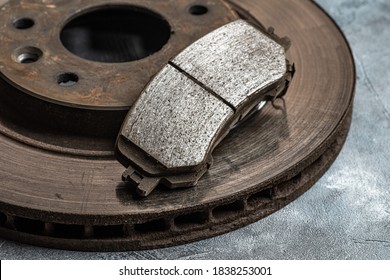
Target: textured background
[[346, 215]]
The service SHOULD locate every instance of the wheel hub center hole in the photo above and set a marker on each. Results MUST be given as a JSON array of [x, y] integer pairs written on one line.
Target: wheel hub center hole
[[116, 34]]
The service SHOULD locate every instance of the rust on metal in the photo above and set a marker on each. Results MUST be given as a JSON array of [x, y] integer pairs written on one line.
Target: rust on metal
[[60, 182], [73, 97]]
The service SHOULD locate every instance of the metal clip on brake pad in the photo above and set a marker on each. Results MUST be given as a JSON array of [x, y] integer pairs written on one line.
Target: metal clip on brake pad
[[193, 102]]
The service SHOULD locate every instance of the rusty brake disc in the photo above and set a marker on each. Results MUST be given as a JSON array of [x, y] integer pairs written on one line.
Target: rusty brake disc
[[68, 79]]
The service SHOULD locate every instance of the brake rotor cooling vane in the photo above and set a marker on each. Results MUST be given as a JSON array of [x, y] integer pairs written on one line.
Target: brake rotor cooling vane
[[72, 70]]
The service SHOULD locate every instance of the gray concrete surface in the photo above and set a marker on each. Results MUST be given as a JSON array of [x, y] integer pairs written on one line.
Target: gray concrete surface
[[346, 215]]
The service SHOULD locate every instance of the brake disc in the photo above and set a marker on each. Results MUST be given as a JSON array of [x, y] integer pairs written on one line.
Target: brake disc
[[68, 80]]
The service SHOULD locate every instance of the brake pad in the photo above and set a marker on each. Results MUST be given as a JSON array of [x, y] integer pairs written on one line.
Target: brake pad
[[187, 109]]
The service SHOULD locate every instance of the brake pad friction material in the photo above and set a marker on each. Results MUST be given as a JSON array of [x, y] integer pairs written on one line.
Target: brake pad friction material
[[194, 101], [175, 120], [235, 61]]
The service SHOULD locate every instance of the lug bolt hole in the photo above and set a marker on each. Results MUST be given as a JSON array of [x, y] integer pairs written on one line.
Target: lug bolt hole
[[27, 55], [198, 10], [67, 79], [24, 23]]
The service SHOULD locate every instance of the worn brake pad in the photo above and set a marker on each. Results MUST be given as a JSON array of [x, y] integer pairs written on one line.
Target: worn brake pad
[[194, 101]]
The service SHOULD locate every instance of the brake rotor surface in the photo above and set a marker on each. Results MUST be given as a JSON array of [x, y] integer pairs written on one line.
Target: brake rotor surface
[[62, 106]]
